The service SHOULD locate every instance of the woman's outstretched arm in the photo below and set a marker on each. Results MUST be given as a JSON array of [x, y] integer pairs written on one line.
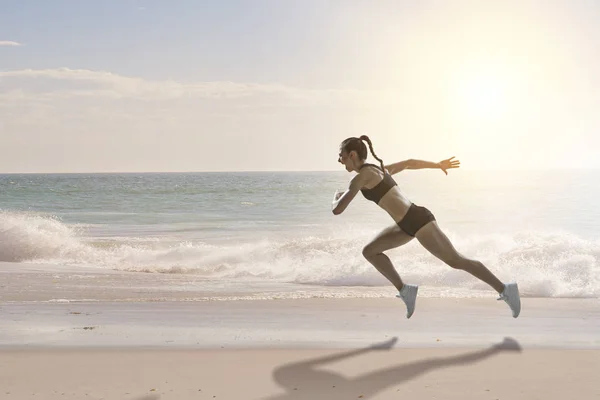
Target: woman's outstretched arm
[[444, 165]]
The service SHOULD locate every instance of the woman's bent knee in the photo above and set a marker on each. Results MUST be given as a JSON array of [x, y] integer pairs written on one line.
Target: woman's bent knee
[[369, 252]]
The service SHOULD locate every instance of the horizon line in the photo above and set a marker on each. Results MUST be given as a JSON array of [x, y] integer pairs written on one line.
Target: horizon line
[[278, 171]]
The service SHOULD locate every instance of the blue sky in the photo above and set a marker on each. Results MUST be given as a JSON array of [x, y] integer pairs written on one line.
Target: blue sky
[[309, 43], [138, 85]]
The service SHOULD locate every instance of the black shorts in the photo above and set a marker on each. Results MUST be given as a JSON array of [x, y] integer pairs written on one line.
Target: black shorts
[[416, 218]]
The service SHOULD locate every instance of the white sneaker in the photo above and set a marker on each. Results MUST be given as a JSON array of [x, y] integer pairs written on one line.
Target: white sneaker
[[408, 294], [511, 296]]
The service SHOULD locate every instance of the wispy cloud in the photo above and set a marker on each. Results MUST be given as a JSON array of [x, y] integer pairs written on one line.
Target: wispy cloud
[[65, 82], [9, 43], [170, 119], [91, 99]]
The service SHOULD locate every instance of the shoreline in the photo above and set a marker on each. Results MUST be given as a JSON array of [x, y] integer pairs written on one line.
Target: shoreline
[[300, 324]]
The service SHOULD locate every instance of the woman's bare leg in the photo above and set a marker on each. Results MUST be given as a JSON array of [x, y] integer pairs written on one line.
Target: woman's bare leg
[[389, 238], [438, 244]]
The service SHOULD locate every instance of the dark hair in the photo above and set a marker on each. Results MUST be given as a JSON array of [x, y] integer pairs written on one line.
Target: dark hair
[[356, 144]]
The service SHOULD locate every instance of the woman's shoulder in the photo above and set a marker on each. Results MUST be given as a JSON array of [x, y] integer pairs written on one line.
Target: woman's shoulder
[[369, 177]]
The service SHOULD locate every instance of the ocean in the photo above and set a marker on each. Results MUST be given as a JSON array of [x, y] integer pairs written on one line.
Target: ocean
[[272, 234]]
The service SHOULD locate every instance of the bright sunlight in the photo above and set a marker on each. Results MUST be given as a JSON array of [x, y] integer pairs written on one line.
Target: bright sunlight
[[487, 92]]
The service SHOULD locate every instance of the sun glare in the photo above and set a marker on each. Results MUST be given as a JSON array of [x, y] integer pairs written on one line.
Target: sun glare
[[484, 96], [488, 104], [483, 93]]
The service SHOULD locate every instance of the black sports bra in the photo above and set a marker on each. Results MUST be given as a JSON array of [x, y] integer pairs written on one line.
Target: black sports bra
[[376, 193]]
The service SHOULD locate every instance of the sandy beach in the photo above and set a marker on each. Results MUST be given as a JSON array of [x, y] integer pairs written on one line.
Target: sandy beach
[[294, 374], [99, 345]]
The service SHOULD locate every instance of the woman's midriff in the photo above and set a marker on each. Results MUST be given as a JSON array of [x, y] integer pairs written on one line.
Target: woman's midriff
[[395, 204]]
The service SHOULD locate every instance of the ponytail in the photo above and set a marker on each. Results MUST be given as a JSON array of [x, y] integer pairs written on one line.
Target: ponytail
[[366, 139]]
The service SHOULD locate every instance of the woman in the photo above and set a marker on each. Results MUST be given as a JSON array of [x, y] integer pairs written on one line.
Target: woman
[[376, 184]]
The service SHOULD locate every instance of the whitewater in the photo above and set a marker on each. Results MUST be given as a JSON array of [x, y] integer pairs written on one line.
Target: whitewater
[[234, 231]]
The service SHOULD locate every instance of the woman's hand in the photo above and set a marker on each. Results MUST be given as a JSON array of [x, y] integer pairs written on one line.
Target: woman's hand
[[449, 163], [337, 195]]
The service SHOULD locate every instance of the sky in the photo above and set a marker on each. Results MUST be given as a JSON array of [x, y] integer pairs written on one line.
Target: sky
[[263, 85]]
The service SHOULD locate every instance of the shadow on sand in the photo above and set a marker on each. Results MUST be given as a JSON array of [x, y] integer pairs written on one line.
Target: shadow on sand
[[303, 379]]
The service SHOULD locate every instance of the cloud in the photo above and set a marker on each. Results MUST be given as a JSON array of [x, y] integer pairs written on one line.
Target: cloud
[[73, 83], [161, 124], [91, 99], [9, 43], [74, 120], [109, 121]]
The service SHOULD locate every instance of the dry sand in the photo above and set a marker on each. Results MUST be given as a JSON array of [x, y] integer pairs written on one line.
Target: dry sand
[[291, 349]]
